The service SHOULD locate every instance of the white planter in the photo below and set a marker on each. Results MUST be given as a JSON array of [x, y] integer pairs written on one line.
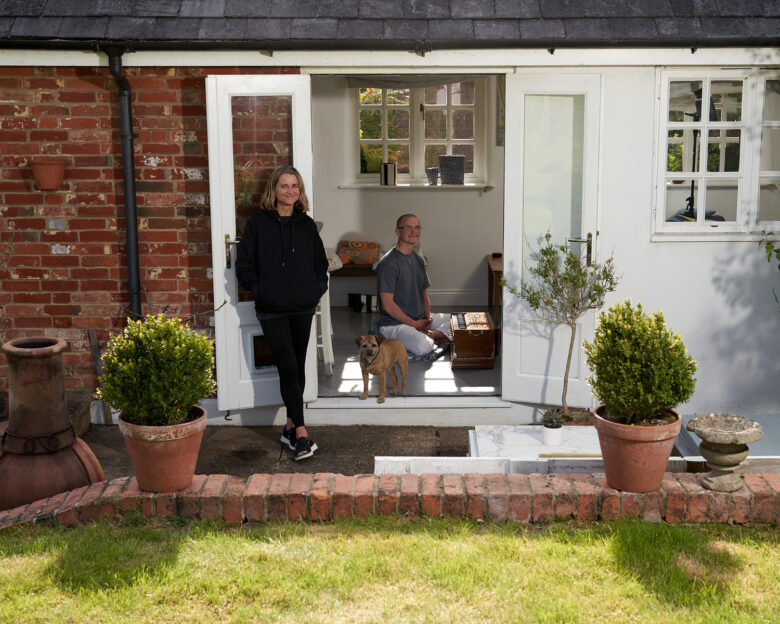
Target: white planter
[[552, 437]]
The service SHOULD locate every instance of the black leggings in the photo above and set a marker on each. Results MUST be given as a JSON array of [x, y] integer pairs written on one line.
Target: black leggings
[[288, 338]]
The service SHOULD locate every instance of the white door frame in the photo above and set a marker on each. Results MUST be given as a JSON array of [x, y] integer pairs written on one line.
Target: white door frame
[[235, 323]]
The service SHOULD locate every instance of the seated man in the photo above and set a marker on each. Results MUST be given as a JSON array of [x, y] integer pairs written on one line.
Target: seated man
[[404, 307]]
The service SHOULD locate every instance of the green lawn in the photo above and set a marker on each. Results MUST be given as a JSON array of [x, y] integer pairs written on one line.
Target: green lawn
[[389, 570]]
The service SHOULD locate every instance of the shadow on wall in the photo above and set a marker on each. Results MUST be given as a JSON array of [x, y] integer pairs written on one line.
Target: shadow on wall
[[748, 341]]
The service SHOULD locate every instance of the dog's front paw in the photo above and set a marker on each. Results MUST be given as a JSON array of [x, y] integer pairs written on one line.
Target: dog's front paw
[[380, 399], [363, 396]]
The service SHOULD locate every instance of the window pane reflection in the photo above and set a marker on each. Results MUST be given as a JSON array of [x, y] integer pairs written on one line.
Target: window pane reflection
[[769, 199], [721, 200]]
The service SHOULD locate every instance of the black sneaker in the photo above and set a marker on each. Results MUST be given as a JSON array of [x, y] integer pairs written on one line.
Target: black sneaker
[[304, 447], [288, 437]]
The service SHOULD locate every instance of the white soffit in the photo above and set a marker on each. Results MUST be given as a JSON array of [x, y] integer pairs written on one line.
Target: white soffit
[[369, 61]]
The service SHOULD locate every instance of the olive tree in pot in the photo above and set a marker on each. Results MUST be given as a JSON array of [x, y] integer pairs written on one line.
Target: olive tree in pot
[[562, 287], [641, 372], [154, 374]]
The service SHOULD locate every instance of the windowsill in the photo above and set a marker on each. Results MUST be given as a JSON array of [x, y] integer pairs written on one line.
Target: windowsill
[[708, 235], [417, 186]]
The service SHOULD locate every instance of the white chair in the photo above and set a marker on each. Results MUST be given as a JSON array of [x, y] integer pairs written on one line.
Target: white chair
[[325, 333]]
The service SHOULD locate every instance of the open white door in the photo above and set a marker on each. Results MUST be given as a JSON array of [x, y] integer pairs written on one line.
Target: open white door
[[551, 184], [255, 123]]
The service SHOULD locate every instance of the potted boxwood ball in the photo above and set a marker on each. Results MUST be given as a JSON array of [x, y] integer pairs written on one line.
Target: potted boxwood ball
[[154, 374], [641, 372]]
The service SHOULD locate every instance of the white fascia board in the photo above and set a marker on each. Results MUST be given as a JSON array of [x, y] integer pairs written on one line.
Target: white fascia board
[[494, 60]]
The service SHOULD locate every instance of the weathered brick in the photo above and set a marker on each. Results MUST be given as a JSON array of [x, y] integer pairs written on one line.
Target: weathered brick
[[739, 509], [165, 503], [365, 499], [33, 511], [454, 495], [233, 499], [773, 479], [343, 487], [520, 498], [188, 499], [387, 494], [87, 508], [676, 507], [654, 506], [320, 496], [108, 502], [719, 507], [698, 499], [431, 494], [609, 497], [13, 515], [543, 496], [497, 497], [211, 497], [48, 511], [298, 496], [254, 497], [276, 498], [476, 496], [632, 504], [409, 499], [564, 496], [763, 499], [587, 502]]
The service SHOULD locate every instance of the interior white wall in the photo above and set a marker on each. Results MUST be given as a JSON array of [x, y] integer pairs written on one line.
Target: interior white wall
[[717, 294], [460, 226]]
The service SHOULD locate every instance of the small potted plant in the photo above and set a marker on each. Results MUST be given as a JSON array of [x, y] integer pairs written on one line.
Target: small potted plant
[[154, 374], [552, 427], [641, 372]]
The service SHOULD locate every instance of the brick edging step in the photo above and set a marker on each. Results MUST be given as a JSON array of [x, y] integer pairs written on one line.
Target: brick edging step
[[495, 497]]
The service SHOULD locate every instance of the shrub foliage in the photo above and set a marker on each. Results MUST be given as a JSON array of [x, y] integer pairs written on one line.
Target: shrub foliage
[[640, 367], [156, 370]]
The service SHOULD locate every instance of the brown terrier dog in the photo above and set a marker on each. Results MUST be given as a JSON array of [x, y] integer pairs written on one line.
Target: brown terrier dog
[[379, 356]]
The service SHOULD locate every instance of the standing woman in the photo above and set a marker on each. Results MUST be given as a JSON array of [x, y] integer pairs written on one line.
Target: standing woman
[[282, 262]]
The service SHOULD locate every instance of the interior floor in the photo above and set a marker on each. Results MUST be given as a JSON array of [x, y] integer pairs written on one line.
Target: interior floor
[[435, 378]]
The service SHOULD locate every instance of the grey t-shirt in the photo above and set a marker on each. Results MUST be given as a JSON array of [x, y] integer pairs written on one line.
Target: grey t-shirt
[[405, 277]]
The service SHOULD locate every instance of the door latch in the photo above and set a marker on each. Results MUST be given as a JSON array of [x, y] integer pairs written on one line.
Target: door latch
[[589, 243], [228, 243]]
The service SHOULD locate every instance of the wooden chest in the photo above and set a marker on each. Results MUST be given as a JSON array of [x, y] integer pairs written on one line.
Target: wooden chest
[[473, 340]]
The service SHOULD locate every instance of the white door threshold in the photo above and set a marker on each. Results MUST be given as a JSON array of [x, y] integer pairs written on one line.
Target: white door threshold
[[393, 402]]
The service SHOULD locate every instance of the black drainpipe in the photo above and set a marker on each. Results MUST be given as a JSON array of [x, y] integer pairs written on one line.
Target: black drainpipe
[[128, 175]]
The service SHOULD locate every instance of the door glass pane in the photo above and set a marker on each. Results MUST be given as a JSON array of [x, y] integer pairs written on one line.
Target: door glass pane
[[770, 149], [723, 152], [769, 199], [370, 95], [681, 201], [552, 168], [726, 100], [398, 97], [772, 101], [684, 96], [262, 141], [721, 200], [399, 154]]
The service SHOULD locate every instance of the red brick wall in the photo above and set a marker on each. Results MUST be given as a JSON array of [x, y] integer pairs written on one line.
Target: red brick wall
[[63, 267]]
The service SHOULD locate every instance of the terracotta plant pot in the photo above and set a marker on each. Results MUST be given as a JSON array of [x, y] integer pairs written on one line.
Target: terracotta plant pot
[[164, 457], [48, 172], [635, 456]]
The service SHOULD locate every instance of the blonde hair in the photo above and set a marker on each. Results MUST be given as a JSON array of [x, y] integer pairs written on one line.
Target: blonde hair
[[268, 200]]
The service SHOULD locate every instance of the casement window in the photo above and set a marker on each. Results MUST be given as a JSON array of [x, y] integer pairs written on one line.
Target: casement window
[[412, 126], [719, 155]]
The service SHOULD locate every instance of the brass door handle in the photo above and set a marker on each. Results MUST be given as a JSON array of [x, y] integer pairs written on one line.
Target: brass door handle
[[589, 242], [228, 242]]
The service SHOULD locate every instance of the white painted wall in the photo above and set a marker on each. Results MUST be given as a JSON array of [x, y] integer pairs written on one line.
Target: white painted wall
[[460, 226], [717, 294]]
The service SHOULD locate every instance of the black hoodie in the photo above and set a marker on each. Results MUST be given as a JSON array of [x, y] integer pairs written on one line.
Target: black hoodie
[[282, 262]]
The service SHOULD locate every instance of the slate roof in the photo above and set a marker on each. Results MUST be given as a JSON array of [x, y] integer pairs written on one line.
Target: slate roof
[[386, 24]]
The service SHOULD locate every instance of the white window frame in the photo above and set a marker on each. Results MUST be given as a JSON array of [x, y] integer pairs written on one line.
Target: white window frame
[[747, 177], [417, 141]]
